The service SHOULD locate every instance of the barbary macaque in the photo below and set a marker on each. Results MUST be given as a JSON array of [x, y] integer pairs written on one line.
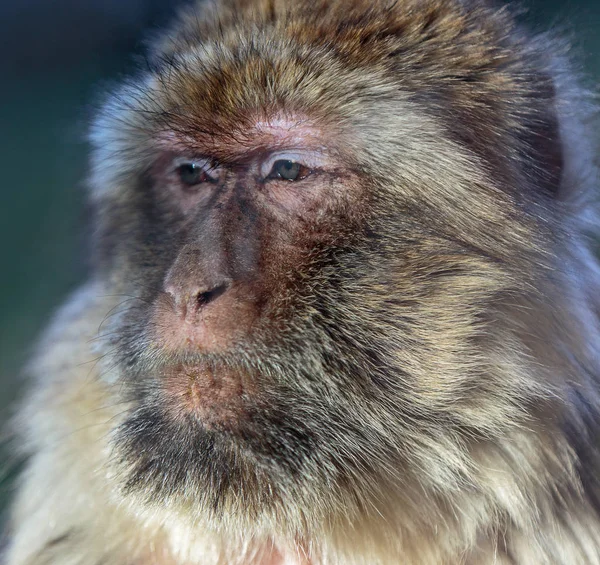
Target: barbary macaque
[[344, 306]]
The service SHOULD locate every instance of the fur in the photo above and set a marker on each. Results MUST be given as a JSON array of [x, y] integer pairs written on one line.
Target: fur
[[433, 392]]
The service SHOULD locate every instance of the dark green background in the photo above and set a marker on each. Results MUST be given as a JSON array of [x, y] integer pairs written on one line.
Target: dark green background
[[56, 57]]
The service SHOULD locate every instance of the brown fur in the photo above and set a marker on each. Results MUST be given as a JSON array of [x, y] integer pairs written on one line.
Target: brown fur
[[427, 368]]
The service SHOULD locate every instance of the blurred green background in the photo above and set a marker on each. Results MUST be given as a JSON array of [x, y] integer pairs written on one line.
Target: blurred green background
[[57, 56]]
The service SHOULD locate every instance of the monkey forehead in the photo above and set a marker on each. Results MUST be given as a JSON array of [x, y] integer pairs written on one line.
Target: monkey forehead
[[257, 135], [286, 130]]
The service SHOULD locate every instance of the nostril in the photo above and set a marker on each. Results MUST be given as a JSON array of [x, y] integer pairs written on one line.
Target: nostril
[[205, 298]]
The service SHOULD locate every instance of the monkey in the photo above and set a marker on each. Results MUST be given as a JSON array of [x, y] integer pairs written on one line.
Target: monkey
[[343, 303]]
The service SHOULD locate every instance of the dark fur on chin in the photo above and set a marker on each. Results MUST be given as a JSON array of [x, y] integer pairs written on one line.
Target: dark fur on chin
[[302, 438]]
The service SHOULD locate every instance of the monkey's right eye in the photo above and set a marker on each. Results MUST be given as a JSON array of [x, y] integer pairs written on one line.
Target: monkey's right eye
[[192, 174]]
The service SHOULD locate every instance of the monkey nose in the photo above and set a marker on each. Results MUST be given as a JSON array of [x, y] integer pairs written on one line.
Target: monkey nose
[[195, 282], [207, 296], [189, 301], [206, 318], [202, 306]]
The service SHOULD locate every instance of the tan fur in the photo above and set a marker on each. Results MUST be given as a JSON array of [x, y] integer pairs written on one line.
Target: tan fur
[[484, 449]]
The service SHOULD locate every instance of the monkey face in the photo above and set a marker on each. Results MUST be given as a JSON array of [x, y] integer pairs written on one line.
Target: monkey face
[[226, 358], [249, 227], [315, 255]]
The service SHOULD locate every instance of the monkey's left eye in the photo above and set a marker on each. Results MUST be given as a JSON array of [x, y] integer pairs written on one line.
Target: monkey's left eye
[[192, 174], [288, 170]]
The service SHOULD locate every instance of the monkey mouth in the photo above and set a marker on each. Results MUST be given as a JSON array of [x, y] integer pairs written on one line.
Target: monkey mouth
[[218, 397]]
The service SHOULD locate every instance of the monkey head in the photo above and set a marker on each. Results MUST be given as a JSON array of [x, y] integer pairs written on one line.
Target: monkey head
[[319, 215]]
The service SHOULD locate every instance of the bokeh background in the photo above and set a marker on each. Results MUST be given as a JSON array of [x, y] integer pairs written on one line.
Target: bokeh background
[[56, 59]]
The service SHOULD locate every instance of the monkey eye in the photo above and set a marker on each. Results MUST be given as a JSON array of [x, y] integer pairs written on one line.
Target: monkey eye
[[192, 174], [288, 170]]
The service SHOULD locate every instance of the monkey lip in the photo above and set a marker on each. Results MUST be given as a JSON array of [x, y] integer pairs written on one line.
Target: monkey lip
[[217, 396]]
